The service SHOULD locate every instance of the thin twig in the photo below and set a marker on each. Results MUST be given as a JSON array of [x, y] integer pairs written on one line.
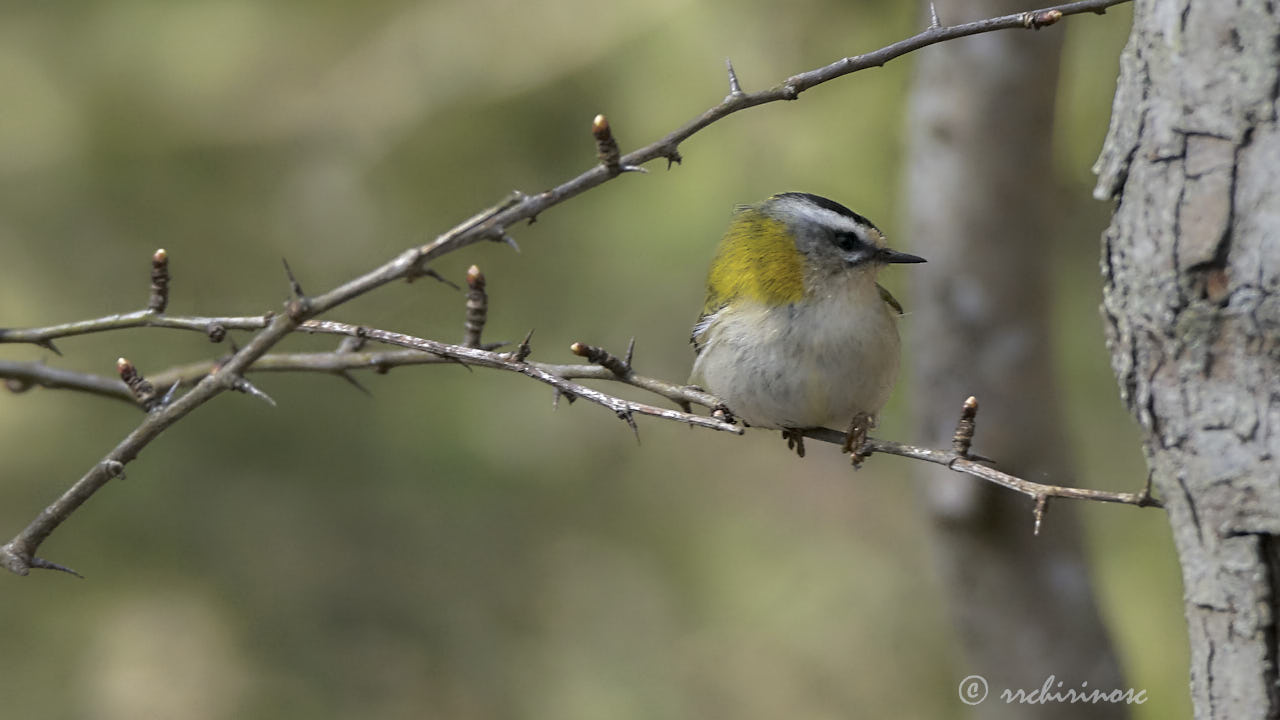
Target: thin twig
[[957, 458], [23, 376], [962, 461], [955, 462], [136, 319], [501, 361]]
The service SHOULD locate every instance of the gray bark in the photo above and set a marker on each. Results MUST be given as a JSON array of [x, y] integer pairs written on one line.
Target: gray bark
[[978, 181], [1191, 263]]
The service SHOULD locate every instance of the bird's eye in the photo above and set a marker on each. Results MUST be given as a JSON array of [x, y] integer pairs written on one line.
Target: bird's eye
[[846, 241]]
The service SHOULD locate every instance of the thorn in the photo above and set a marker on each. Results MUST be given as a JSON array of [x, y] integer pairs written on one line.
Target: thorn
[[298, 306], [734, 87], [248, 388], [934, 22], [673, 158], [568, 397], [456, 361], [48, 345], [168, 394], [1042, 506], [345, 375], [515, 197], [294, 286], [42, 564], [685, 406], [428, 272], [351, 344], [505, 238], [628, 417], [522, 350], [631, 351]]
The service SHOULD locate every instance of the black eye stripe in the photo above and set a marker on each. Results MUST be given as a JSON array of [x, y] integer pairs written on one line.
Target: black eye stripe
[[847, 241]]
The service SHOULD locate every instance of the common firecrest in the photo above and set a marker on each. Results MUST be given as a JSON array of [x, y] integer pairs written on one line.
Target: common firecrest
[[796, 333]]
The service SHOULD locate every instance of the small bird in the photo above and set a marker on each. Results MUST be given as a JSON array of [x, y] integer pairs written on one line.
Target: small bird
[[796, 333]]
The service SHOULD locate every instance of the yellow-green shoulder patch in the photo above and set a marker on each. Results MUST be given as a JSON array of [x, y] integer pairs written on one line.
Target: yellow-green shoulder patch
[[757, 260]]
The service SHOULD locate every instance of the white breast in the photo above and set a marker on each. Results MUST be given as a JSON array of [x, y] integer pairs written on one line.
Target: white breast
[[812, 364]]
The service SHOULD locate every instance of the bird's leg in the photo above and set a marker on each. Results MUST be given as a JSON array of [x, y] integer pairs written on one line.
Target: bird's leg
[[857, 435], [795, 440]]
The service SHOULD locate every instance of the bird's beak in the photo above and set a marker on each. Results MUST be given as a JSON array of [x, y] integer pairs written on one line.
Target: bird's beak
[[886, 255]]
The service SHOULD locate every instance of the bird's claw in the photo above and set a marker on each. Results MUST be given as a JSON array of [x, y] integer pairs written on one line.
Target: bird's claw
[[856, 436], [795, 440]]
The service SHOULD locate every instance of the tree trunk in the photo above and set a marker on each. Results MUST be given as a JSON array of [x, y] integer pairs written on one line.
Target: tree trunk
[[1191, 263], [978, 182]]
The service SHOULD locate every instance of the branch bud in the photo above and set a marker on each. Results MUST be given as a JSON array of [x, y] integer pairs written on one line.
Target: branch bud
[[477, 308], [1041, 18], [965, 426], [143, 392], [601, 357], [159, 299], [475, 278], [606, 146]]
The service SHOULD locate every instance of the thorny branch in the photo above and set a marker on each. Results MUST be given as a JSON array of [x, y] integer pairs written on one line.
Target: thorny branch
[[18, 555]]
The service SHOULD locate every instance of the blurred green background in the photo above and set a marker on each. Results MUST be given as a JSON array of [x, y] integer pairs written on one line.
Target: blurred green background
[[452, 547]]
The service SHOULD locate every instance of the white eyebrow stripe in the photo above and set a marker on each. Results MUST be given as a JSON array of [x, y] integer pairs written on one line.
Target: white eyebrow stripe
[[823, 216]]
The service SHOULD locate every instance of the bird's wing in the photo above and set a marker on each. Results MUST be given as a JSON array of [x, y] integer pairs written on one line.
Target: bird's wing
[[704, 321], [889, 299]]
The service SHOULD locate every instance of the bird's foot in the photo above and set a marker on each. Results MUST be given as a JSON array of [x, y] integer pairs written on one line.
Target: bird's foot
[[723, 413], [856, 437], [795, 440]]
